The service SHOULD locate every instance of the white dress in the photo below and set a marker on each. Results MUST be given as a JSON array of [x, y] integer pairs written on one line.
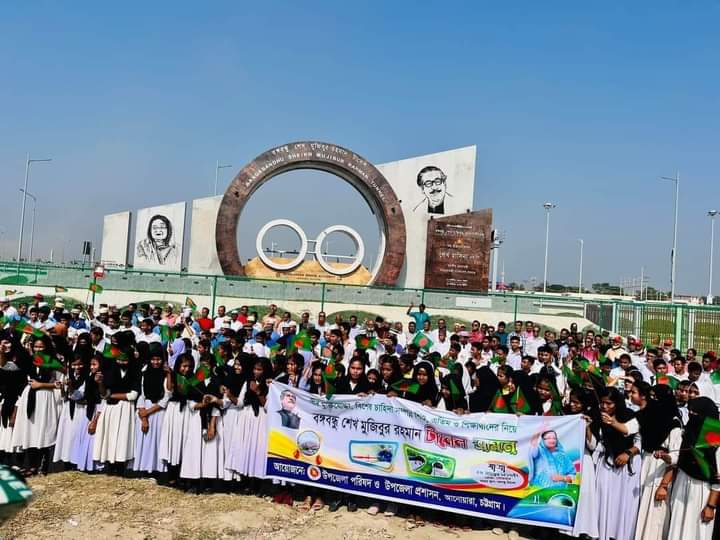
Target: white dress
[[586, 518], [5, 435], [689, 496], [173, 431], [115, 434], [39, 430], [201, 458], [230, 421], [249, 447], [147, 445], [82, 451], [653, 517], [618, 494], [68, 427]]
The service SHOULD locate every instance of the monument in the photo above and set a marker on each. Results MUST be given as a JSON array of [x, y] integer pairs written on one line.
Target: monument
[[429, 235]]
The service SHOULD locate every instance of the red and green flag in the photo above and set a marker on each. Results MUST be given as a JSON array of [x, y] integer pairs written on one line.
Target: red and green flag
[[27, 328], [406, 385], [43, 360], [422, 341], [454, 390], [329, 376], [114, 352], [499, 403], [715, 376], [218, 357], [274, 349], [668, 380], [363, 342], [189, 303], [95, 288], [571, 377], [709, 436], [202, 374], [301, 342], [519, 402], [183, 384]]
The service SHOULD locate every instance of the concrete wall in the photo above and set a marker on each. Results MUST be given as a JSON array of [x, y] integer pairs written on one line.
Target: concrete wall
[[459, 167], [116, 230], [203, 258]]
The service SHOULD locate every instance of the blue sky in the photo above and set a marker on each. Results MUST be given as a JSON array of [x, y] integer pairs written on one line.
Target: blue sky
[[582, 105]]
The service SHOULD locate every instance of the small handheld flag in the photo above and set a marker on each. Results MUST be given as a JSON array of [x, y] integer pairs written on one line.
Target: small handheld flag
[[709, 436], [422, 341], [499, 405], [668, 380], [519, 402], [96, 288], [715, 376], [189, 303], [42, 360], [406, 385], [114, 352], [10, 292], [26, 328], [202, 373], [363, 342], [301, 342], [329, 377], [167, 333]]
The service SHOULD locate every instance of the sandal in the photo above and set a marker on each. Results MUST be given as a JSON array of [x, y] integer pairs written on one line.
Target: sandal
[[317, 505]]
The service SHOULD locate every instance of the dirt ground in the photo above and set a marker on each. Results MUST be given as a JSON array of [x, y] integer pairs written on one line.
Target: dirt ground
[[75, 505]]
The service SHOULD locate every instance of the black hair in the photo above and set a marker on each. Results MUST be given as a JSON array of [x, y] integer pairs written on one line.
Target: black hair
[[167, 223]]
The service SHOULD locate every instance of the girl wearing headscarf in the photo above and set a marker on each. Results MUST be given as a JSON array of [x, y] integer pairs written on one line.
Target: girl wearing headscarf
[[233, 391], [424, 376], [72, 417], [248, 455], [81, 454], [390, 372], [37, 411], [583, 402], [175, 419], [177, 348], [355, 382], [486, 386], [618, 466], [695, 493], [12, 383], [202, 449], [120, 387], [452, 394], [661, 434], [155, 394]]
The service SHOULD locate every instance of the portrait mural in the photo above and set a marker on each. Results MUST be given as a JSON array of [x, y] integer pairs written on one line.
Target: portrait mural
[[432, 182], [159, 237]]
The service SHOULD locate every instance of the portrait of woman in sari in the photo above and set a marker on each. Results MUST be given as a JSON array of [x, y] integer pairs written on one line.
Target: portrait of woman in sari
[[549, 464]]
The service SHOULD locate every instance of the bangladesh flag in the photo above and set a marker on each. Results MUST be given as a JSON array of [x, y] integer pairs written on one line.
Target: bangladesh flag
[[274, 349], [495, 359], [182, 383], [218, 357], [571, 377], [202, 373], [59, 289], [42, 360], [189, 303], [422, 341], [406, 385], [499, 404], [669, 380], [454, 390], [26, 328], [329, 376], [363, 342], [167, 333], [301, 342], [114, 352], [709, 436], [519, 402], [10, 292], [715, 376], [96, 288]]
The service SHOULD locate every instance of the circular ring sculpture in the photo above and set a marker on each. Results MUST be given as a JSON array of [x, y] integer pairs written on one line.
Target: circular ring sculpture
[[296, 229], [359, 250], [349, 166]]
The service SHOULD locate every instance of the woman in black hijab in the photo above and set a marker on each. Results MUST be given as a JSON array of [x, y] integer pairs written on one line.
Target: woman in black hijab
[[424, 376], [486, 386], [12, 383], [452, 394], [695, 490]]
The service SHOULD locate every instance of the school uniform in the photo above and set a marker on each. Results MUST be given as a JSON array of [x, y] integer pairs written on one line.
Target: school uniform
[[203, 458], [249, 446], [115, 435], [72, 419], [12, 383], [81, 454], [147, 445], [37, 415]]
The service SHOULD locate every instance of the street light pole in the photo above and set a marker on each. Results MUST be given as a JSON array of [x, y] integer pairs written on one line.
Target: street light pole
[[547, 206], [28, 161], [712, 214], [217, 170], [673, 259], [582, 245], [32, 227]]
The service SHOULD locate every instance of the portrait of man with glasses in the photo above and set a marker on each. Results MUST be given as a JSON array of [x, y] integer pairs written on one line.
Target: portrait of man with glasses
[[433, 183]]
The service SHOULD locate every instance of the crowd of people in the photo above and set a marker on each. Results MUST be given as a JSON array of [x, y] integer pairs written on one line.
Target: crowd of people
[[180, 395]]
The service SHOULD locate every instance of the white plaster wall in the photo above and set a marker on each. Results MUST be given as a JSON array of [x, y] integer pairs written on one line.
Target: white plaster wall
[[116, 230], [459, 167], [203, 258]]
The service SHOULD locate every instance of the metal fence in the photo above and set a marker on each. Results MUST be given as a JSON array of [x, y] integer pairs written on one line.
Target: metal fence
[[688, 325]]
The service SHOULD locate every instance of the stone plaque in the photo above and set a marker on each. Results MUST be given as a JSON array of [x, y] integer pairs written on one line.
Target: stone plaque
[[458, 251]]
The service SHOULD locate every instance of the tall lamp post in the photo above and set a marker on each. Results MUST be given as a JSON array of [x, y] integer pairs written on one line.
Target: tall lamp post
[[712, 214], [28, 161], [32, 227], [217, 171], [673, 258], [547, 206], [582, 246]]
